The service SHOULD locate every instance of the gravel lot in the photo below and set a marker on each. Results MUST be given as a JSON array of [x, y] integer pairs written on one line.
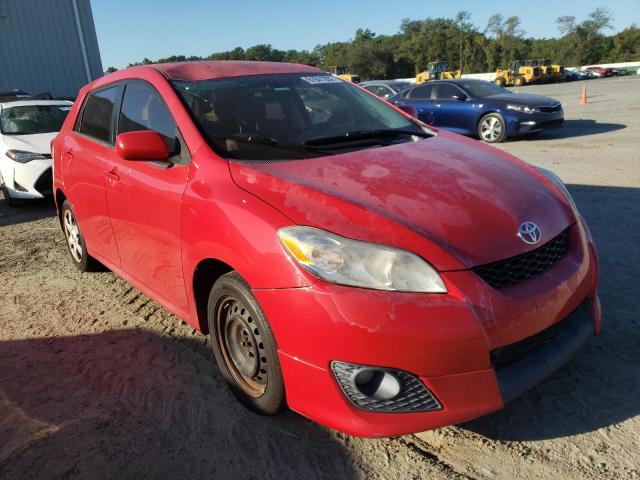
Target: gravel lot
[[98, 381]]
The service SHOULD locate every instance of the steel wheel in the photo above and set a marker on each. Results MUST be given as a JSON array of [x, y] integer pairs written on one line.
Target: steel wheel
[[72, 232], [491, 129], [244, 346], [241, 345]]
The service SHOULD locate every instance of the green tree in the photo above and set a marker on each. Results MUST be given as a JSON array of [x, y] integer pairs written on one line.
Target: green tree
[[589, 43], [626, 45]]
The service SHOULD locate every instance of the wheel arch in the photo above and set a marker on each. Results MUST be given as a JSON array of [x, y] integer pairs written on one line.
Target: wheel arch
[[205, 274], [59, 198], [484, 113]]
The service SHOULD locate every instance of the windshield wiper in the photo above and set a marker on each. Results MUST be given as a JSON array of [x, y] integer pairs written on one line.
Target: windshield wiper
[[364, 134], [268, 141]]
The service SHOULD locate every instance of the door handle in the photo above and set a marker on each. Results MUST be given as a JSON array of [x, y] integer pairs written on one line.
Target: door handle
[[438, 105], [68, 155], [112, 175]]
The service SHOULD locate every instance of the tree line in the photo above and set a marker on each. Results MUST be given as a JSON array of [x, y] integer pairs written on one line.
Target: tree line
[[456, 40]]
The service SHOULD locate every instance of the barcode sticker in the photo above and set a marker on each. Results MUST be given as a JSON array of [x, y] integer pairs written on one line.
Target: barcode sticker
[[318, 79]]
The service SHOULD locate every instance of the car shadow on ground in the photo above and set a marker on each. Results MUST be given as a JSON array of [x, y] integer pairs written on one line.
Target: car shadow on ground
[[576, 128], [141, 405], [25, 210], [599, 387]]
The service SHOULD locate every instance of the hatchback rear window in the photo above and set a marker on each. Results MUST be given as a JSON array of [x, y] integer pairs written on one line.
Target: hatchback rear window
[[97, 114]]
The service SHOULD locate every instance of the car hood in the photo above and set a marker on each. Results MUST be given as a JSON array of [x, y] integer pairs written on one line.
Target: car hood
[[523, 99], [454, 201], [39, 143]]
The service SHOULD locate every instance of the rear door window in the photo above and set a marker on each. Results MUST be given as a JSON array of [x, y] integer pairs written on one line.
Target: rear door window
[[446, 91], [423, 92], [97, 114]]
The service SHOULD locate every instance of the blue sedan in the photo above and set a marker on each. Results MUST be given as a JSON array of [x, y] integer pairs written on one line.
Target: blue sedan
[[479, 108]]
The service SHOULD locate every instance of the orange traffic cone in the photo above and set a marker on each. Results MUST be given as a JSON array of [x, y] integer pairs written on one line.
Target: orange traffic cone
[[583, 97]]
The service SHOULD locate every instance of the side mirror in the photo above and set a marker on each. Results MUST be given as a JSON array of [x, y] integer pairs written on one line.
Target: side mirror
[[144, 145], [411, 110]]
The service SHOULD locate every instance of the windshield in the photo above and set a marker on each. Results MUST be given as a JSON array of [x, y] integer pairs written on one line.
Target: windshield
[[480, 88], [400, 86], [289, 116], [33, 119]]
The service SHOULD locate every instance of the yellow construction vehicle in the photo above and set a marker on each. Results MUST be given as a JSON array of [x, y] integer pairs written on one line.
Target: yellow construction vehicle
[[437, 71], [553, 72], [343, 72], [518, 74]]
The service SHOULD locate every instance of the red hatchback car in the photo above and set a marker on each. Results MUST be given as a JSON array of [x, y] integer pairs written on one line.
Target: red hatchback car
[[372, 273]]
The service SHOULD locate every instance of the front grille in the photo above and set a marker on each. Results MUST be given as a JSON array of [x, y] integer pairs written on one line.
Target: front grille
[[414, 396], [504, 356], [551, 124], [551, 109], [44, 184], [514, 270]]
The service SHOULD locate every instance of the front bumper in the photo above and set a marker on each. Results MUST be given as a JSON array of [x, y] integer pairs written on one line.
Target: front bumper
[[27, 180], [523, 124], [444, 340]]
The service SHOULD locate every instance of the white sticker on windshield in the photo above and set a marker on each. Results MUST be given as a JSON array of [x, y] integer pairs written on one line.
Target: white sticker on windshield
[[65, 109], [317, 79]]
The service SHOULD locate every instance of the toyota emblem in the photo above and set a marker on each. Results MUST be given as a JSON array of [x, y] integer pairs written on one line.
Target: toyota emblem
[[529, 233]]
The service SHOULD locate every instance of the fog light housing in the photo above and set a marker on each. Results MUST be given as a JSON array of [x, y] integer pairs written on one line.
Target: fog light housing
[[381, 389], [19, 188]]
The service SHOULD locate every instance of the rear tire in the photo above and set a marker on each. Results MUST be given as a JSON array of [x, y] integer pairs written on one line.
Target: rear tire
[[75, 241], [243, 345], [499, 81], [492, 128]]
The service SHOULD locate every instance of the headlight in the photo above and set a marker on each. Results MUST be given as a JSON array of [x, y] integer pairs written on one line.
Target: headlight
[[556, 179], [521, 108], [344, 261], [24, 157]]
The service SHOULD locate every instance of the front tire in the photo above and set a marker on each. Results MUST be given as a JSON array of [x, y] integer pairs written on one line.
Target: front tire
[[75, 241], [8, 199], [518, 81], [492, 128], [499, 81], [243, 345]]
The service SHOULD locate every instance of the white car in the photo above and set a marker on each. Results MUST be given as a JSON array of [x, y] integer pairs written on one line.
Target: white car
[[26, 130]]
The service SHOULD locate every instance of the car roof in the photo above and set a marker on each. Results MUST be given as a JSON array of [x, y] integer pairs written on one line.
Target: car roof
[[459, 80], [384, 82], [206, 70], [24, 103], [13, 91]]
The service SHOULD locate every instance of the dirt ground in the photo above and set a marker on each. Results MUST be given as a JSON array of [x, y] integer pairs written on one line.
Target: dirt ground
[[98, 381]]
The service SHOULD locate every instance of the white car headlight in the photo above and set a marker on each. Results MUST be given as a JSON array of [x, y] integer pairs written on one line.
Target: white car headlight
[[521, 108], [21, 156], [344, 261]]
